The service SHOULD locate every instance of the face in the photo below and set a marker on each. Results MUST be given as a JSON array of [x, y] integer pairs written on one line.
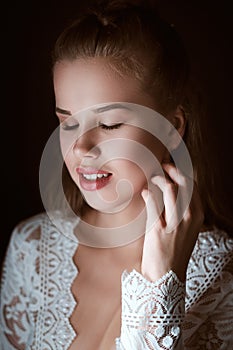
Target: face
[[108, 154]]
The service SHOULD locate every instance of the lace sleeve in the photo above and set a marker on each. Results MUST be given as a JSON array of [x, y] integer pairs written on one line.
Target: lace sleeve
[[209, 323], [152, 313], [169, 315], [15, 319]]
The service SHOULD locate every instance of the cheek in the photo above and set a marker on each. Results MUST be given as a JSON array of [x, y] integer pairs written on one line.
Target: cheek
[[134, 172], [129, 175], [137, 178], [149, 148], [155, 146]]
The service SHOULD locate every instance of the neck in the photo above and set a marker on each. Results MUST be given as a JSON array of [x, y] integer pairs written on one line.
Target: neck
[[103, 230], [112, 220], [115, 259]]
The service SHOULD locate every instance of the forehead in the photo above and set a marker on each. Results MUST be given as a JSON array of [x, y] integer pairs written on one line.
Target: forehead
[[79, 84]]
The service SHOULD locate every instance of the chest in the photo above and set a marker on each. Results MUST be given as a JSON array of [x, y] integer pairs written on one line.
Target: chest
[[98, 300]]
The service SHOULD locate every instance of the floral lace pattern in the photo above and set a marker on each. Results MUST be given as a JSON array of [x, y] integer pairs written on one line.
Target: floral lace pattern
[[154, 310], [154, 315], [36, 298]]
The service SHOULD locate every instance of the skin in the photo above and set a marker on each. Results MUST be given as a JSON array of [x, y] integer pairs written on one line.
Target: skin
[[79, 84]]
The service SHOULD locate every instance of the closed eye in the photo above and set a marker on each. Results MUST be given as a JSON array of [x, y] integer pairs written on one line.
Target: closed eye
[[110, 127], [68, 126]]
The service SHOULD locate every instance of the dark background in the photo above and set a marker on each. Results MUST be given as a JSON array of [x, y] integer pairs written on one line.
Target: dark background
[[28, 119]]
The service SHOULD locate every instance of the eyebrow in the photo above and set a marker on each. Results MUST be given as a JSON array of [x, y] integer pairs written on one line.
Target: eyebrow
[[97, 110], [63, 111], [110, 107]]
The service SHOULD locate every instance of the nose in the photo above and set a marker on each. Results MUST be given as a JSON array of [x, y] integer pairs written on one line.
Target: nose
[[86, 146]]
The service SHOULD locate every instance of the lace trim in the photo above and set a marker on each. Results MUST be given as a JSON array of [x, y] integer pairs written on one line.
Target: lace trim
[[57, 274], [36, 301], [211, 253], [151, 311]]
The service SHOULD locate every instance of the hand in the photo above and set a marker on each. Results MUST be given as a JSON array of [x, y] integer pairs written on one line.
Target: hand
[[169, 241]]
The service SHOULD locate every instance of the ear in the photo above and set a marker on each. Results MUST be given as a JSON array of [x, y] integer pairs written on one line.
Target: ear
[[178, 120]]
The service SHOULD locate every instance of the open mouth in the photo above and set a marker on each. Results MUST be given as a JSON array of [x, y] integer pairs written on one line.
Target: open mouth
[[96, 177], [93, 179]]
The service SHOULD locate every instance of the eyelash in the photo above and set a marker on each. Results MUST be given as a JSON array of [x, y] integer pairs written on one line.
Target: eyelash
[[103, 126], [110, 127]]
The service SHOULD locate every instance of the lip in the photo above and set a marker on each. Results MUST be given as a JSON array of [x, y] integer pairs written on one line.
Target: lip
[[92, 185], [90, 171]]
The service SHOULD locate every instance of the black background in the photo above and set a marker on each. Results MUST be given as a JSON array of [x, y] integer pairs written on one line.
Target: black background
[[29, 31]]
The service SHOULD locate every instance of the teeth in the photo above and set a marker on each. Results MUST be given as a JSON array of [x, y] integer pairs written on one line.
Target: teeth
[[93, 177]]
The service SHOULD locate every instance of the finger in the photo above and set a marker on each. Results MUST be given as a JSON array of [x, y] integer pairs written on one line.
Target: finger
[[186, 192], [195, 208], [154, 214], [169, 190], [185, 184], [174, 173]]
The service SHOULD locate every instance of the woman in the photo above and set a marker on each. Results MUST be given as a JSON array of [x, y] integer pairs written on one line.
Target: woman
[[124, 106]]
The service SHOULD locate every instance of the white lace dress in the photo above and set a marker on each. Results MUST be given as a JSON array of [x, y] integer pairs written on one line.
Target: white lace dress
[[36, 298]]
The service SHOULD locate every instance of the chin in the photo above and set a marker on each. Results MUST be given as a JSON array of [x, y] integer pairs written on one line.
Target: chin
[[106, 206]]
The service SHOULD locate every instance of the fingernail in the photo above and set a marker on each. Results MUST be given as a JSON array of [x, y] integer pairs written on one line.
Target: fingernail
[[144, 194], [153, 179]]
